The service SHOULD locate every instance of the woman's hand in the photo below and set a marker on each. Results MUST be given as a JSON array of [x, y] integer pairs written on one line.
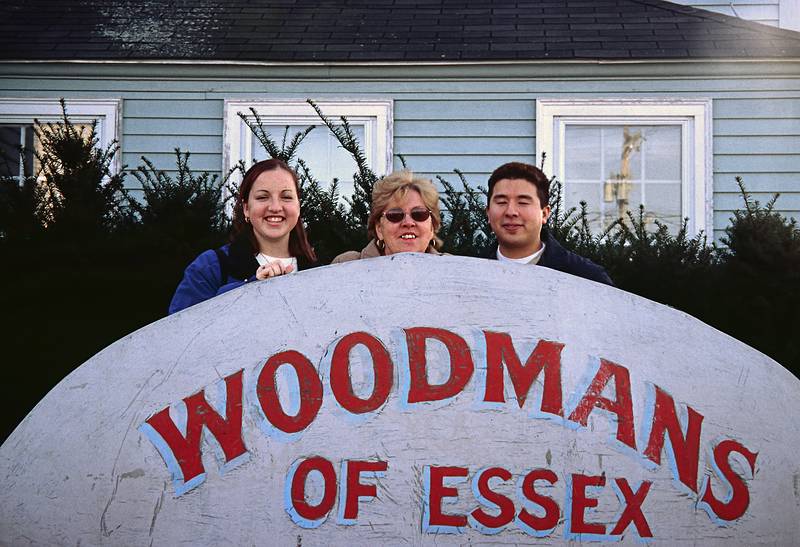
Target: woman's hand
[[273, 269]]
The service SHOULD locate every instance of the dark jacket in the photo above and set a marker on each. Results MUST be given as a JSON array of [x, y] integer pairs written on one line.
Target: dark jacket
[[558, 258], [217, 271]]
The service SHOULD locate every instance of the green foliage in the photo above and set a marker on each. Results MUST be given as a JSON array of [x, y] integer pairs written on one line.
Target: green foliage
[[760, 238], [73, 229], [571, 227], [80, 196], [673, 269], [365, 178], [465, 228], [329, 224], [179, 210], [286, 151], [760, 278], [19, 203]]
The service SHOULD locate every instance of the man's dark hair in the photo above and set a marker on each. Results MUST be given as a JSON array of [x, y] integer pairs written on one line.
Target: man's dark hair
[[518, 170]]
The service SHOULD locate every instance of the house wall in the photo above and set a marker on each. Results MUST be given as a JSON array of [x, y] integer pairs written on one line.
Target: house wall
[[778, 13], [469, 118]]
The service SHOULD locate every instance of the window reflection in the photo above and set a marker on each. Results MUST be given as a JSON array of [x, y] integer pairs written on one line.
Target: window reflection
[[14, 138], [320, 150], [615, 168]]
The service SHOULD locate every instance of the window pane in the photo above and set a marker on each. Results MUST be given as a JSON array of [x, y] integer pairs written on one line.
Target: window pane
[[615, 168], [666, 203], [622, 152], [663, 152], [582, 191], [588, 192], [582, 159], [321, 152], [11, 138]]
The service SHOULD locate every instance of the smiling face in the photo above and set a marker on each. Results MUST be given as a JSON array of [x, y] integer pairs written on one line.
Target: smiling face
[[273, 209], [407, 235], [516, 217]]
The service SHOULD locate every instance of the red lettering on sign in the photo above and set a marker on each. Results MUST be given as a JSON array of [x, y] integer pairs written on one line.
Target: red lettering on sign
[[298, 488], [310, 391], [438, 491], [505, 504], [546, 357], [740, 495], [622, 406], [685, 448], [461, 366], [551, 509], [355, 489], [633, 508], [227, 431], [341, 384], [580, 503]]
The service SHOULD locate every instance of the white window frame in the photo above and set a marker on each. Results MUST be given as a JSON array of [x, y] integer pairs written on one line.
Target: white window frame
[[375, 115], [789, 14], [693, 115], [107, 113]]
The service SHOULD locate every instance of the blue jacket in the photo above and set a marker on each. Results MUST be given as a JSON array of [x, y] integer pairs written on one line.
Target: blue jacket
[[207, 277], [558, 258]]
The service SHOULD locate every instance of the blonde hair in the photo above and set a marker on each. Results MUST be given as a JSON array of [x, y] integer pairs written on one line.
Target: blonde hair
[[398, 184]]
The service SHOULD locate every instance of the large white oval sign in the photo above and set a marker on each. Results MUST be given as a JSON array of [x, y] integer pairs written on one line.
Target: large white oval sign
[[412, 399]]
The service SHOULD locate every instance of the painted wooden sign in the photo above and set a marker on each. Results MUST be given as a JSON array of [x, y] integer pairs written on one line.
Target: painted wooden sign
[[412, 399]]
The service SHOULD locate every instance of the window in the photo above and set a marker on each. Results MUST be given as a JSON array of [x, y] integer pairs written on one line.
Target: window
[[778, 13], [617, 154], [371, 122], [16, 127], [14, 137]]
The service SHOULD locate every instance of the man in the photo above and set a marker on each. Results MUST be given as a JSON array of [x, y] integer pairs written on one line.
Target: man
[[518, 210]]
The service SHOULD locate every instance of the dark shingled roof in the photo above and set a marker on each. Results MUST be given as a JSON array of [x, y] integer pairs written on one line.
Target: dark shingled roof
[[379, 30]]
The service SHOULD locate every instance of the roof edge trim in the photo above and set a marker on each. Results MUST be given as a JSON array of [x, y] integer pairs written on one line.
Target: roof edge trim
[[402, 63]]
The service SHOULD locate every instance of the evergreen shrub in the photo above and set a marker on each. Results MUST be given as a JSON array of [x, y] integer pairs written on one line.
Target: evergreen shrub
[[86, 262]]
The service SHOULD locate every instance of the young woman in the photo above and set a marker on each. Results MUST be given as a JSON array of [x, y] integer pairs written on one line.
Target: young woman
[[267, 238], [404, 217]]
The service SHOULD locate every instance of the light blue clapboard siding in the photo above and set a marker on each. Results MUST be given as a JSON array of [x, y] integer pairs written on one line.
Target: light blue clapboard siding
[[155, 127], [166, 161], [722, 218], [469, 124], [456, 88], [747, 144], [178, 108], [466, 88], [741, 164], [757, 108], [757, 127], [760, 11], [758, 140], [462, 146], [728, 202], [469, 164], [473, 128], [786, 183], [512, 108], [154, 143], [209, 127]]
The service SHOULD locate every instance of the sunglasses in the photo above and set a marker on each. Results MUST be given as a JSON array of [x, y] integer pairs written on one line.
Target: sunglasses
[[397, 215]]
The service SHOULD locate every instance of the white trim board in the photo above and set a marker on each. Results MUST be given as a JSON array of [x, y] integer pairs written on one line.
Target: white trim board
[[692, 114], [107, 113]]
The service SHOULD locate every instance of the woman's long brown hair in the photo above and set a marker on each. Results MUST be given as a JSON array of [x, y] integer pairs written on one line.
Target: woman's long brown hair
[[241, 229]]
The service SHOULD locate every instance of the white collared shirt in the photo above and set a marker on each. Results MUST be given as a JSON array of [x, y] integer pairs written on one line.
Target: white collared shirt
[[530, 259]]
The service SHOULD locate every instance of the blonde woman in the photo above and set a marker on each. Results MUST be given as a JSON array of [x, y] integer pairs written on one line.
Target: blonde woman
[[404, 218]]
